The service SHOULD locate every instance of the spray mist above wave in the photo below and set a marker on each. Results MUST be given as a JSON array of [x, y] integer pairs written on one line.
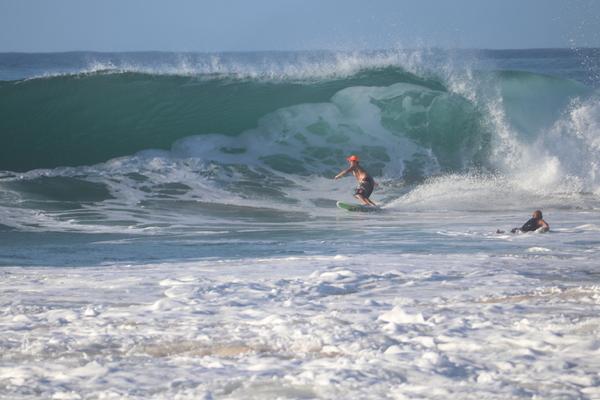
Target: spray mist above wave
[[302, 65], [268, 66]]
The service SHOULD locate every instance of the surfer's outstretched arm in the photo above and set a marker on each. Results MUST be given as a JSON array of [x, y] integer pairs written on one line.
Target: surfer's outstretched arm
[[344, 172]]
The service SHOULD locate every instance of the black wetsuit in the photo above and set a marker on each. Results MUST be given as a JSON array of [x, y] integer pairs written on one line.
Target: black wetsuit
[[365, 187], [529, 226]]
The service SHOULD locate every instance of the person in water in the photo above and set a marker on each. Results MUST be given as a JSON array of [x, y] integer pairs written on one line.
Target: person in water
[[536, 222], [366, 184]]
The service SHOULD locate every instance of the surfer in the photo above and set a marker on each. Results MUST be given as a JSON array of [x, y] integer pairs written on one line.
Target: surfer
[[366, 184], [533, 224]]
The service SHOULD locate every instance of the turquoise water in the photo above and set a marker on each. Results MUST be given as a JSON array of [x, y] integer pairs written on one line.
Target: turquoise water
[[161, 145], [168, 225]]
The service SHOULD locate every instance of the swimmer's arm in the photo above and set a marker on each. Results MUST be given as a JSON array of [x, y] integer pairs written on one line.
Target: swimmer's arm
[[543, 224], [344, 172]]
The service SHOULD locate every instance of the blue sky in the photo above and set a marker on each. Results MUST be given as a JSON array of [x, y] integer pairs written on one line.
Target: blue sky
[[233, 25]]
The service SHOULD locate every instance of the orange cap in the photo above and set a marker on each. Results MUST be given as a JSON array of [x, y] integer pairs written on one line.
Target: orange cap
[[353, 158]]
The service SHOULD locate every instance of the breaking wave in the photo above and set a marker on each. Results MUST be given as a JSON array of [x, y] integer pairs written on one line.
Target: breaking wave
[[434, 139]]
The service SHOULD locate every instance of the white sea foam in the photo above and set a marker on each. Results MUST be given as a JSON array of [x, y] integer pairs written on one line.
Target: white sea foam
[[421, 326]]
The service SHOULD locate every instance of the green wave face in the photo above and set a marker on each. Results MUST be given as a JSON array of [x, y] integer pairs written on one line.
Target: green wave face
[[447, 124], [86, 119], [90, 118]]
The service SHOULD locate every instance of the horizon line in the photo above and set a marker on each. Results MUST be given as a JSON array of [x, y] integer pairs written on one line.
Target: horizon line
[[299, 50]]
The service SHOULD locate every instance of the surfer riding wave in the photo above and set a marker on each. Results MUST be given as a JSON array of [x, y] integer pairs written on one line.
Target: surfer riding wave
[[366, 184]]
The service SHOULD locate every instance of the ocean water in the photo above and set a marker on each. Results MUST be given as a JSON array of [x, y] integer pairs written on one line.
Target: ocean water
[[168, 227]]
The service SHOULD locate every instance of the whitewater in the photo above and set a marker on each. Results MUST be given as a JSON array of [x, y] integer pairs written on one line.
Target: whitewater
[[168, 227]]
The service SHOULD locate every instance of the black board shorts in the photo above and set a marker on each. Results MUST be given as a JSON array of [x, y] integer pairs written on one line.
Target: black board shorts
[[365, 187]]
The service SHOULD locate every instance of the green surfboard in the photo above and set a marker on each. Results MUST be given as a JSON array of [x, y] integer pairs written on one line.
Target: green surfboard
[[357, 207]]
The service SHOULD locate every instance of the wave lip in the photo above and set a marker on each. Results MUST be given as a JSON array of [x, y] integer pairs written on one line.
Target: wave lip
[[272, 66]]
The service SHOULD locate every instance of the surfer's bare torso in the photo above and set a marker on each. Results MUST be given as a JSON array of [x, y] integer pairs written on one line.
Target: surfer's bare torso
[[366, 184], [359, 173]]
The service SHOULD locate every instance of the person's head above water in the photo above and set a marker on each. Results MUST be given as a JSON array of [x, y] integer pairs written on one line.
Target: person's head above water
[[537, 214], [353, 158]]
